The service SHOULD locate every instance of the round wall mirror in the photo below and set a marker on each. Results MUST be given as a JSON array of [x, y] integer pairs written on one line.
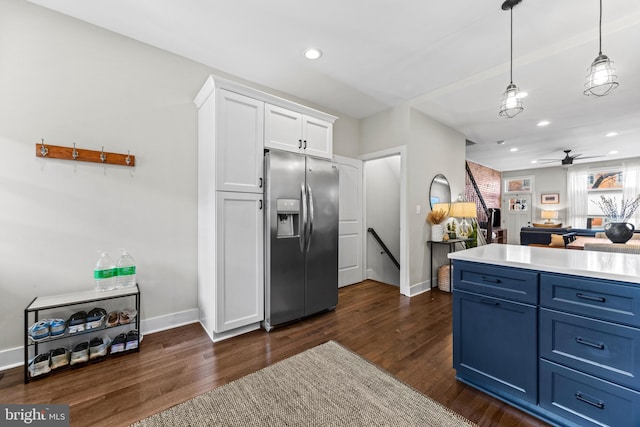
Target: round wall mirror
[[440, 193]]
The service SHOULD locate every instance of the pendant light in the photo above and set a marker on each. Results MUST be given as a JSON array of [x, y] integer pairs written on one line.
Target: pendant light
[[602, 76], [511, 104]]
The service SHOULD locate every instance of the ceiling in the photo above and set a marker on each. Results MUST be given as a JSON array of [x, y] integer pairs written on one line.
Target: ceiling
[[449, 60]]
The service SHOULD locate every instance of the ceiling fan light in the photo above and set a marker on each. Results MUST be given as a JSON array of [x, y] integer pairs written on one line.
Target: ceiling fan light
[[511, 105], [602, 77]]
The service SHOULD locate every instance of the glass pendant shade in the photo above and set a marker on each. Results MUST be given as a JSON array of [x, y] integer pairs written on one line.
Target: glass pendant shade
[[511, 105], [601, 79]]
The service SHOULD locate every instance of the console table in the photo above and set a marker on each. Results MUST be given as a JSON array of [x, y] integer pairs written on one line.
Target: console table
[[451, 243]]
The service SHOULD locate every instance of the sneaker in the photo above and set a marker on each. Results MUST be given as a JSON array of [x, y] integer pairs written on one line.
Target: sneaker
[[127, 315], [40, 365], [57, 327], [132, 340], [77, 322], [39, 331], [98, 347], [112, 319], [96, 318], [119, 343], [59, 357], [80, 353]]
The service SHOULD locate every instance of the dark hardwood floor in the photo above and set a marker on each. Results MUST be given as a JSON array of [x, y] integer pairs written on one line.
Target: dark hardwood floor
[[408, 337]]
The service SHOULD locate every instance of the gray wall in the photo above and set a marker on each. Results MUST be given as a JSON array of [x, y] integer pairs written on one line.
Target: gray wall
[[68, 81]]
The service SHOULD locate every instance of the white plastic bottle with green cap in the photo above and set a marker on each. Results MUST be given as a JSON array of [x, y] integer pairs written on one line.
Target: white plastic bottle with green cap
[[104, 273], [125, 271]]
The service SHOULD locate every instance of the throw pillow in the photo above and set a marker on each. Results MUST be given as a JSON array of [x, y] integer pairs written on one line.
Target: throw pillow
[[556, 240]]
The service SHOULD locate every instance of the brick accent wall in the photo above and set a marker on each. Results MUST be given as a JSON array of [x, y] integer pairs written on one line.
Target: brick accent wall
[[490, 183]]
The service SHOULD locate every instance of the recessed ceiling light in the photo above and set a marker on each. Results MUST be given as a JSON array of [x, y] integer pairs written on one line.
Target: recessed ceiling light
[[522, 94], [542, 123], [312, 53], [613, 152], [612, 134], [513, 150], [534, 161]]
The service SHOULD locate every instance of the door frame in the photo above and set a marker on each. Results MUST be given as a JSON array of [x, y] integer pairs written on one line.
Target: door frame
[[405, 288]]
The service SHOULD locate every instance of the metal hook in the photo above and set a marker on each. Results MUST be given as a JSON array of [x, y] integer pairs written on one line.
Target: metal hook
[[128, 159], [43, 150], [103, 156], [74, 153]]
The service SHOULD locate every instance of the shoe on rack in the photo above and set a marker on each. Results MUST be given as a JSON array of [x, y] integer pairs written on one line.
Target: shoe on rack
[[40, 365], [132, 340], [80, 353], [59, 357], [57, 327], [39, 330], [98, 347], [127, 316], [112, 319], [96, 318], [119, 343], [77, 322]]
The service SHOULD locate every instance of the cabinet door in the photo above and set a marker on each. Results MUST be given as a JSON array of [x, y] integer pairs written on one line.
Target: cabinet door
[[494, 345], [239, 142], [240, 276], [317, 137], [283, 129]]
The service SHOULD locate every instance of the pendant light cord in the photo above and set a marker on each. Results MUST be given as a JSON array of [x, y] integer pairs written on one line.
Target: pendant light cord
[[600, 29], [511, 66]]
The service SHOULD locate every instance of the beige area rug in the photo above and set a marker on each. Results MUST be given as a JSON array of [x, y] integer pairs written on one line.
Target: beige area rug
[[325, 386]]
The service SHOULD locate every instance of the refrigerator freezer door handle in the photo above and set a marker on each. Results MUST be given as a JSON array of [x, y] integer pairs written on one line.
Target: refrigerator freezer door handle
[[310, 217], [302, 225]]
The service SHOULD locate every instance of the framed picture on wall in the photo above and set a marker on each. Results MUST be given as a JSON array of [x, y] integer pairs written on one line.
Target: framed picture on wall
[[518, 185], [550, 199]]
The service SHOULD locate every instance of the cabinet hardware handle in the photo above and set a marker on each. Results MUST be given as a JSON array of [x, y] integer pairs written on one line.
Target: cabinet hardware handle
[[260, 207], [581, 398], [484, 279], [581, 340], [305, 144], [260, 185], [299, 143], [591, 298], [489, 301]]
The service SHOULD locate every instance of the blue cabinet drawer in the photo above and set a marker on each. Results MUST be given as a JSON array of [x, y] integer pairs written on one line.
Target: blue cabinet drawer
[[502, 282], [613, 301], [587, 400], [604, 349], [494, 344]]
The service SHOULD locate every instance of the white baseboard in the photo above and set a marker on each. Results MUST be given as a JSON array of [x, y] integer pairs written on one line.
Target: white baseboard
[[419, 288], [13, 357]]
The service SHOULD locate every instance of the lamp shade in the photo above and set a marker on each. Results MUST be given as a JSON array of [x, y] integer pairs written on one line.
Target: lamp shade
[[463, 210], [549, 214]]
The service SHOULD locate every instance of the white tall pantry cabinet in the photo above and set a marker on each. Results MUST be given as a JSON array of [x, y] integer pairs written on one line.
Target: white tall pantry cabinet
[[232, 121]]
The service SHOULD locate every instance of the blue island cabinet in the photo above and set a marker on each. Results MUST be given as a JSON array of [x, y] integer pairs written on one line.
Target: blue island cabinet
[[561, 347]]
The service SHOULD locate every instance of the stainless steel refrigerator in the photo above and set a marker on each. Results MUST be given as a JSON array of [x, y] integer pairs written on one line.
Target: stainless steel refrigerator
[[301, 242]]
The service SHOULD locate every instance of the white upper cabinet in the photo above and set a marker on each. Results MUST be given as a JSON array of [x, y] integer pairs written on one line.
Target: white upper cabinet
[[292, 131], [239, 142]]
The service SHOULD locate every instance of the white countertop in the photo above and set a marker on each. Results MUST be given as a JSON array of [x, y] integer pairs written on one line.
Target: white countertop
[[601, 265]]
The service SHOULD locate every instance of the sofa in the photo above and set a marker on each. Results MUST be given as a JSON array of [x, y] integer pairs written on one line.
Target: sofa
[[541, 236]]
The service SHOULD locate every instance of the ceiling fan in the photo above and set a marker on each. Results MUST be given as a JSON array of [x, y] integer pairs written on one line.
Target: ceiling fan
[[568, 159]]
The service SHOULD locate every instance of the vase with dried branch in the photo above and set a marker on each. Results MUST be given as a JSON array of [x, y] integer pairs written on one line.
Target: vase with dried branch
[[436, 218]]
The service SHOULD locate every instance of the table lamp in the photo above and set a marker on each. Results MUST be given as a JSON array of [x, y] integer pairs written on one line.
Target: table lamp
[[549, 215], [463, 210]]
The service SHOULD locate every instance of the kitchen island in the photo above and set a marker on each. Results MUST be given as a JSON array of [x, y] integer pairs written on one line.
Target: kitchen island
[[555, 333]]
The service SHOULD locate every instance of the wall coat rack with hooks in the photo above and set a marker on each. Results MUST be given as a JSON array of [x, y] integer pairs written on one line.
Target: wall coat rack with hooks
[[80, 154]]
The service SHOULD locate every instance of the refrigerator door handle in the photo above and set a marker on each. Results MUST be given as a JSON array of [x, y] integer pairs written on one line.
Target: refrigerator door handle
[[310, 217], [302, 225]]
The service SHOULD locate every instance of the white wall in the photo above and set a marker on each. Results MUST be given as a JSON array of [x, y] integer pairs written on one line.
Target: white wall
[[68, 81], [431, 148], [382, 184]]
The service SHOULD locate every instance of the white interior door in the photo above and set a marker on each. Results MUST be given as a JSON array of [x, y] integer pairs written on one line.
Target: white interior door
[[350, 235], [517, 214]]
